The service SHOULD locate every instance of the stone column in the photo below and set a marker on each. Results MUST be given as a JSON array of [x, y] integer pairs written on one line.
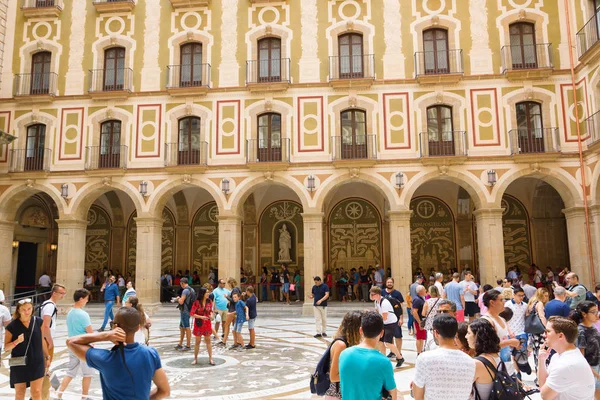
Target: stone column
[[576, 236], [400, 249], [230, 246], [148, 260], [70, 256], [490, 244], [595, 228], [7, 232], [313, 256]]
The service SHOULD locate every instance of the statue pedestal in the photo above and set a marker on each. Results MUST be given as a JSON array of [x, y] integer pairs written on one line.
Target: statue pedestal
[[284, 261]]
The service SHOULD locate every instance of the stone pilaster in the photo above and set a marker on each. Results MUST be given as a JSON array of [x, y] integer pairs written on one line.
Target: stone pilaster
[[75, 77], [480, 55], [151, 69], [148, 260], [6, 74], [393, 58], [229, 69], [490, 244], [313, 255], [578, 252], [70, 256], [230, 246], [595, 228], [400, 248], [7, 280], [309, 62]]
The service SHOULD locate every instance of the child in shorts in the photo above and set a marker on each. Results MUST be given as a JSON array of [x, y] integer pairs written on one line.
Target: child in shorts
[[241, 316]]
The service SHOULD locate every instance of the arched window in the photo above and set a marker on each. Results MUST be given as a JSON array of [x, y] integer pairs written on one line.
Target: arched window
[[435, 48], [351, 56], [523, 51], [440, 136], [269, 60], [269, 137], [354, 134], [188, 146], [34, 147], [110, 145], [191, 65], [114, 69], [40, 72], [530, 127]]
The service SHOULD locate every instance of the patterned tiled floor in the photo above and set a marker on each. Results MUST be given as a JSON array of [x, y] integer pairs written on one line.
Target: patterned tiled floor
[[279, 368]]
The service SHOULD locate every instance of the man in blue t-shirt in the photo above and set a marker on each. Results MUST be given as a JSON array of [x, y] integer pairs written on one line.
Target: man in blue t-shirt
[[557, 306], [111, 294], [251, 304], [128, 370], [320, 293], [364, 371], [455, 292], [221, 302]]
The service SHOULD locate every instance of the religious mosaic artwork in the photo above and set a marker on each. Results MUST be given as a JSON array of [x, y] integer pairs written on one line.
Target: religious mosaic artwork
[[515, 226], [97, 239], [205, 240], [354, 235], [168, 242], [281, 234], [432, 235]]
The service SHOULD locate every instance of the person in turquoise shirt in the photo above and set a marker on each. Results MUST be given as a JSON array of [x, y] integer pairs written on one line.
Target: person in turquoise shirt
[[364, 371]]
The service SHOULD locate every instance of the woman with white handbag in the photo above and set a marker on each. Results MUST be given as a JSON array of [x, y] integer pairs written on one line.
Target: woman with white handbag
[[29, 355]]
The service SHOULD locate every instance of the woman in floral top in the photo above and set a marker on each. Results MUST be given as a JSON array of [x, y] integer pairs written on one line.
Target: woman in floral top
[[202, 314]]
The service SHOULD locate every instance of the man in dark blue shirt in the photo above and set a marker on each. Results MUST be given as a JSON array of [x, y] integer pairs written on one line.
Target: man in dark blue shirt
[[391, 292], [128, 370], [557, 306], [251, 304], [111, 293], [320, 293]]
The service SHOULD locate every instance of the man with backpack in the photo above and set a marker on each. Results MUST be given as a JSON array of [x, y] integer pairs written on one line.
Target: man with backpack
[[396, 299], [185, 301], [390, 321], [576, 292], [48, 312]]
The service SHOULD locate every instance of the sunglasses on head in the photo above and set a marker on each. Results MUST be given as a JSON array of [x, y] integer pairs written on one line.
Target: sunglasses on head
[[24, 301]]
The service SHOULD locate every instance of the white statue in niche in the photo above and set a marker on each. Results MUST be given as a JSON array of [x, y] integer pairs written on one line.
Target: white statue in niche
[[285, 245]]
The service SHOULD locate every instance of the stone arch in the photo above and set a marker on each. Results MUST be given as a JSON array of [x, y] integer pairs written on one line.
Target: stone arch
[[116, 212], [182, 215], [96, 119], [542, 96], [454, 101], [88, 194], [161, 195], [102, 44], [248, 186], [560, 180], [473, 186], [379, 183], [12, 199], [176, 41], [335, 109], [439, 21], [27, 51], [188, 110], [33, 118], [262, 107], [354, 26], [263, 32]]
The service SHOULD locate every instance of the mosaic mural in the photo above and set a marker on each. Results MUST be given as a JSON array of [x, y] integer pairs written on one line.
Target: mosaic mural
[[432, 235], [97, 239], [205, 239], [168, 242], [281, 234], [354, 234], [515, 226]]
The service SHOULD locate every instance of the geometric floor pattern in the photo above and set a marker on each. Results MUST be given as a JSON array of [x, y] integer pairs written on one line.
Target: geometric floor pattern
[[279, 367]]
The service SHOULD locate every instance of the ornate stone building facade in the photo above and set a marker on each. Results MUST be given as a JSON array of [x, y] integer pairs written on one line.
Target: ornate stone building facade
[[185, 134]]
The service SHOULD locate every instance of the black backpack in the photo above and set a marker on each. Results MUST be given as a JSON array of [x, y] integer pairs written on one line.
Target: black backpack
[[396, 305], [589, 296], [319, 381], [189, 300], [504, 386], [41, 307]]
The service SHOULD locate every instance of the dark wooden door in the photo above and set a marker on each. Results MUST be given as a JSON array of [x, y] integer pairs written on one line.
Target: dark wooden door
[[114, 69], [351, 56], [269, 137], [40, 72], [34, 150], [191, 65], [188, 151], [269, 60], [435, 46], [26, 267], [110, 145], [354, 134], [523, 50], [531, 128], [440, 133]]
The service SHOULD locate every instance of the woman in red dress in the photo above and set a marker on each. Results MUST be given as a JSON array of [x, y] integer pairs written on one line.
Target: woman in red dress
[[202, 314]]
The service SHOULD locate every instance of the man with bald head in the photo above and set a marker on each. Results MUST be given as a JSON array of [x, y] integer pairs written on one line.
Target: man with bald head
[[417, 311]]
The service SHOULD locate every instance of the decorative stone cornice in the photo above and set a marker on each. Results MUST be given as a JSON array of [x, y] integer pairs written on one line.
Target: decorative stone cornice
[[71, 224], [488, 213]]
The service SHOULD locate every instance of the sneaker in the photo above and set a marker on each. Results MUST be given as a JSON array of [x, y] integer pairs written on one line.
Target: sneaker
[[324, 334], [235, 346], [297, 301], [220, 344], [248, 347], [186, 348], [100, 330], [399, 363], [391, 355], [318, 335], [178, 347]]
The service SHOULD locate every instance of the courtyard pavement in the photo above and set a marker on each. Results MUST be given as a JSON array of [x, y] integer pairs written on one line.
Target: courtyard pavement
[[279, 367]]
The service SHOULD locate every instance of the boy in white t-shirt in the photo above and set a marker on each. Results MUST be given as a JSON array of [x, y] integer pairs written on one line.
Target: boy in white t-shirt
[[568, 377], [385, 309]]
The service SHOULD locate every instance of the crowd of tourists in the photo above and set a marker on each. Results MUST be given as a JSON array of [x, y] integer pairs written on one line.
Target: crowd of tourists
[[472, 341]]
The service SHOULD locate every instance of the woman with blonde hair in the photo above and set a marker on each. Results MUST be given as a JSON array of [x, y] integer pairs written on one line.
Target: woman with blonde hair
[[142, 336], [230, 310], [24, 339], [538, 302], [347, 335]]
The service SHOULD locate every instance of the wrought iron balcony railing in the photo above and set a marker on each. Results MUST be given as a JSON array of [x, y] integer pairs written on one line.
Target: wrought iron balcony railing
[[443, 144], [530, 56], [527, 141], [110, 80], [21, 160], [41, 3], [267, 150], [352, 67], [439, 62], [589, 35], [186, 154], [358, 147], [36, 84], [105, 157], [268, 71], [593, 124], [188, 76]]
